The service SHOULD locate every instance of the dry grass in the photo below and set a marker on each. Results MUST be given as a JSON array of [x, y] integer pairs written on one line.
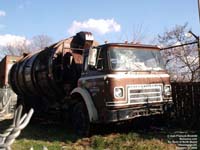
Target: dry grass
[[56, 136]]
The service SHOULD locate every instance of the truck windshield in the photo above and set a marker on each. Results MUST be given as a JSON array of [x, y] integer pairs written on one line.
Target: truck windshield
[[135, 59]]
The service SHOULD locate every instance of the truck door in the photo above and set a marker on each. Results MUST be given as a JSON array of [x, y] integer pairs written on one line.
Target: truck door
[[94, 75]]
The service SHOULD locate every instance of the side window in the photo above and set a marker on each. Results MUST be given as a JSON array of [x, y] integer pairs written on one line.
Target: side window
[[101, 61], [99, 65], [85, 67]]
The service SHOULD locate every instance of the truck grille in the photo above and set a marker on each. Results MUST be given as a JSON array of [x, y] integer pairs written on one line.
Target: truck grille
[[144, 93]]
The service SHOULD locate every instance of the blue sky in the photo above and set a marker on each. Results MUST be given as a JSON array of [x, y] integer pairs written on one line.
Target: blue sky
[[27, 18]]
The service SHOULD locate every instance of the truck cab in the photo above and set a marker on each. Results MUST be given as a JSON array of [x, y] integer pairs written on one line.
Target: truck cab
[[124, 81]]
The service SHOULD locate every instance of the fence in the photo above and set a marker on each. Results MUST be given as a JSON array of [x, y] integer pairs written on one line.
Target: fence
[[186, 97], [8, 100]]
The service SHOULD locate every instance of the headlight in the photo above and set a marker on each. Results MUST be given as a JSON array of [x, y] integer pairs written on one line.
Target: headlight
[[118, 92], [167, 90]]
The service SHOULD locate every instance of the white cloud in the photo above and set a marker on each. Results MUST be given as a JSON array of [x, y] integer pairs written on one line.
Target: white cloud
[[100, 26], [2, 13], [12, 40]]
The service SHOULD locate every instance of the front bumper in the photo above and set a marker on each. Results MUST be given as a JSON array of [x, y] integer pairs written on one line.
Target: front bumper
[[130, 113]]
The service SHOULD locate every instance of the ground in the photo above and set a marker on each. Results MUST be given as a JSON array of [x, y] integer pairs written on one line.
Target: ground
[[141, 134]]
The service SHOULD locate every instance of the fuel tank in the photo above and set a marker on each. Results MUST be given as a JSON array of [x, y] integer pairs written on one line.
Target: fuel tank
[[53, 72]]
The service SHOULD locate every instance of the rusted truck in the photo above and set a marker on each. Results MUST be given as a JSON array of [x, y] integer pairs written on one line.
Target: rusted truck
[[93, 83]]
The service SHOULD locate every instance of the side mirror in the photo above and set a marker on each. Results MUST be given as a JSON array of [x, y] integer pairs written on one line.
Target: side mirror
[[92, 59]]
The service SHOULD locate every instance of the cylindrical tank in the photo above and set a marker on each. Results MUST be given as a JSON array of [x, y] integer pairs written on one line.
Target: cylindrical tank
[[53, 72]]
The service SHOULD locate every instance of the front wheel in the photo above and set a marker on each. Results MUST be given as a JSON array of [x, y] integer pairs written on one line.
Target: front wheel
[[80, 119]]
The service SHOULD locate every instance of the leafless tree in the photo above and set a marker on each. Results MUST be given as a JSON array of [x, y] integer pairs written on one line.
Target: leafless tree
[[182, 61], [39, 42], [136, 35], [16, 48]]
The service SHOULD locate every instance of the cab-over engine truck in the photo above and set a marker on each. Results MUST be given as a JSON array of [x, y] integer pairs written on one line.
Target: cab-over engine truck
[[93, 84]]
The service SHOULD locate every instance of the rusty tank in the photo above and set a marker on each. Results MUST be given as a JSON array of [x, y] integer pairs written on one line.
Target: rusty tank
[[50, 73]]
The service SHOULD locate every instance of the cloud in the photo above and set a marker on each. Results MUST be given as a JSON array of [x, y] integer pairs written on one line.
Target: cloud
[[100, 26], [2, 13], [13, 40]]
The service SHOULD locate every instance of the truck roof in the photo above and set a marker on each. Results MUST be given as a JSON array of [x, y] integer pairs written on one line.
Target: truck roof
[[130, 45]]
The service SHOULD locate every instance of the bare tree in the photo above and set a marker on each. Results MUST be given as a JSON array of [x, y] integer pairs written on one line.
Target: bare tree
[[181, 61], [136, 35], [39, 42], [16, 48]]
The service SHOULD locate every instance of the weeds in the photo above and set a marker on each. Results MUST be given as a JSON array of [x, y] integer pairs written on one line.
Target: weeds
[[56, 136]]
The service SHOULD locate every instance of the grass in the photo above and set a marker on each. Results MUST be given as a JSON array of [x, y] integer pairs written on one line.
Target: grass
[[56, 136]]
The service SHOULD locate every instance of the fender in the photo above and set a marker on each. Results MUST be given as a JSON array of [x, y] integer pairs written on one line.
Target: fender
[[93, 116]]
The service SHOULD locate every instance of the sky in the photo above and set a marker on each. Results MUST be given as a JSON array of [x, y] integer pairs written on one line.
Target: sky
[[108, 20]]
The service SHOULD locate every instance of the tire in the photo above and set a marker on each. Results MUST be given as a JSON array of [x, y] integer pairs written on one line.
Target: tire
[[21, 101], [80, 119]]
